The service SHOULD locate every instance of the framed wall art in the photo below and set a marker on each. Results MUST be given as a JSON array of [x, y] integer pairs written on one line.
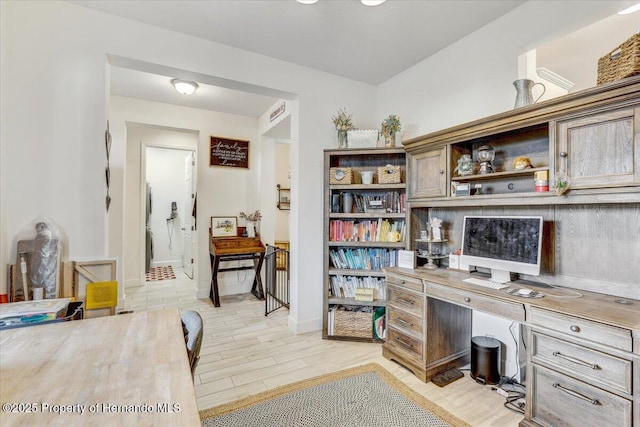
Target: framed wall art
[[228, 152], [224, 226]]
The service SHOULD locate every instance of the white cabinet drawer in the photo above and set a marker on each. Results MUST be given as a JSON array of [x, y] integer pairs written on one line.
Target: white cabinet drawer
[[560, 401], [509, 310], [604, 334], [583, 363]]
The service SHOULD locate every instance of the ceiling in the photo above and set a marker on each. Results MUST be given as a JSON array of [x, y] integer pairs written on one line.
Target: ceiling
[[341, 37]]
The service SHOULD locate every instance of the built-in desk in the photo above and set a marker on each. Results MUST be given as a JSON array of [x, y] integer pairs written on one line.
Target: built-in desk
[[583, 354], [125, 370]]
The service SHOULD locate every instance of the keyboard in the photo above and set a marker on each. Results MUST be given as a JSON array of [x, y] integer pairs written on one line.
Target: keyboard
[[486, 283]]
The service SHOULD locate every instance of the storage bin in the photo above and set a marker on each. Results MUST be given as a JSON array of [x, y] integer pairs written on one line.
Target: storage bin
[[389, 175], [622, 62], [342, 176], [353, 324]]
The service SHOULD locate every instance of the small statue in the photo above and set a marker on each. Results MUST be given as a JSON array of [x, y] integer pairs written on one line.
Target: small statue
[[521, 162]]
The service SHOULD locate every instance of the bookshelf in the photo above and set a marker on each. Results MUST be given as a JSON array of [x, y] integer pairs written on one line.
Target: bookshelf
[[364, 228]]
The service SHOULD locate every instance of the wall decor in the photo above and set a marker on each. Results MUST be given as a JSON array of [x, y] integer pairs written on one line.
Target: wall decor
[[224, 226], [228, 152]]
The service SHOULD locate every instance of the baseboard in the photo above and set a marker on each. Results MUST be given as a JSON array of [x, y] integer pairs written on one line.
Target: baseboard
[[304, 327]]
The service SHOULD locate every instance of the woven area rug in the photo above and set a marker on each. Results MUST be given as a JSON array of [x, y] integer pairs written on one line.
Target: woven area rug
[[364, 396], [160, 273]]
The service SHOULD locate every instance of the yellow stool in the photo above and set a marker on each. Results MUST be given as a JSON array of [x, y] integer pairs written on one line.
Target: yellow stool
[[102, 295]]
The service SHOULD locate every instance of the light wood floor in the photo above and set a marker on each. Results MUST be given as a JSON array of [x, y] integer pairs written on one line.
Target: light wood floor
[[244, 353]]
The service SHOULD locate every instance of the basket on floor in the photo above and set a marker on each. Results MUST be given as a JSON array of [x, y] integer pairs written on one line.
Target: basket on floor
[[353, 324], [620, 63]]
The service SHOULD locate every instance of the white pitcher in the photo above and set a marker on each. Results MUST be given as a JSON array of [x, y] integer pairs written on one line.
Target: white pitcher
[[525, 94]]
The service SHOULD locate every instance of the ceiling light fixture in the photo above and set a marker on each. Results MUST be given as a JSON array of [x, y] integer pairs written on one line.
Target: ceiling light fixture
[[307, 1], [371, 2], [184, 87], [629, 10]]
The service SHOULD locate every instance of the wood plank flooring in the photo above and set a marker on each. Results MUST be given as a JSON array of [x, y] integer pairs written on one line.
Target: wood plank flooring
[[244, 353]]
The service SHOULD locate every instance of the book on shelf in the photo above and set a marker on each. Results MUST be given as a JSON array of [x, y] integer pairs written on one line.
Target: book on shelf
[[345, 286], [363, 258], [365, 230]]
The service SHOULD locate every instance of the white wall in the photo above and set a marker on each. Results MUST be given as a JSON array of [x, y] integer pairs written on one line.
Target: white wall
[[281, 173], [166, 175]]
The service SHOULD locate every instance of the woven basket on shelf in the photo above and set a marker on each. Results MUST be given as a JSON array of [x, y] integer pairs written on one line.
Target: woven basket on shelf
[[622, 62], [342, 176], [353, 324], [389, 175]]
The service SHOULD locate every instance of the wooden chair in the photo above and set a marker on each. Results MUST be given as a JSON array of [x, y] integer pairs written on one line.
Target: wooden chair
[[193, 331]]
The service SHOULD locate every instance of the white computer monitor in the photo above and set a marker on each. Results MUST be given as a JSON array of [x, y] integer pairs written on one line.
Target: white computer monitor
[[505, 244]]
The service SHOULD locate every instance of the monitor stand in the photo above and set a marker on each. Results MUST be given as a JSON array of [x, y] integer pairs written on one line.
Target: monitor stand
[[500, 276]]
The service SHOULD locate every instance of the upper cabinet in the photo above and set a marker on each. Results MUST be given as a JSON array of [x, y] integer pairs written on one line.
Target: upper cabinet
[[590, 139], [428, 176], [600, 150]]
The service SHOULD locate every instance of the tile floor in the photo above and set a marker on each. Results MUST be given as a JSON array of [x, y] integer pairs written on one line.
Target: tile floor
[[244, 353]]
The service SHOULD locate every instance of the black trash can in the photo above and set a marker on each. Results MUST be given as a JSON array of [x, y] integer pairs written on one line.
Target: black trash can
[[485, 360]]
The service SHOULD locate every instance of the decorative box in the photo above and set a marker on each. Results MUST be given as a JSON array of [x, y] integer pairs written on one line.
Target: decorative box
[[362, 138], [622, 62]]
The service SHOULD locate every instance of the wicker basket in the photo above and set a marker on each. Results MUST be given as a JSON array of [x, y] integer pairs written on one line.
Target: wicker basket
[[343, 176], [389, 175], [622, 62], [353, 324]]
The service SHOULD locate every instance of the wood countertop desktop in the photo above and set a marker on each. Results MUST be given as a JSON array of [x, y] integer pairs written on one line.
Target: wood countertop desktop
[[129, 369], [590, 305]]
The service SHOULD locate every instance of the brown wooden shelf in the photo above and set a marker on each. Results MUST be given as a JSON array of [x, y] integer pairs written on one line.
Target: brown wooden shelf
[[352, 301], [378, 187], [373, 215], [497, 175], [355, 272]]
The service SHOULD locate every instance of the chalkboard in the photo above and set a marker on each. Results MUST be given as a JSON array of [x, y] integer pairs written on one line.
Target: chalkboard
[[232, 153]]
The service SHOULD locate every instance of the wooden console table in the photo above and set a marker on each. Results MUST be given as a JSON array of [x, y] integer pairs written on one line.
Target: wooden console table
[[130, 369], [235, 249]]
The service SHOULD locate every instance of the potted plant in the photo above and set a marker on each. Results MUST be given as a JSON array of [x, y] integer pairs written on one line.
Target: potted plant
[[342, 122], [389, 128], [252, 220]]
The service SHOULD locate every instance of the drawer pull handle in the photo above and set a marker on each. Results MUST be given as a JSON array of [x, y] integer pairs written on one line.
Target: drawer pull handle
[[577, 361], [574, 328], [404, 343], [404, 322], [402, 282], [576, 394], [563, 154], [405, 301], [467, 299]]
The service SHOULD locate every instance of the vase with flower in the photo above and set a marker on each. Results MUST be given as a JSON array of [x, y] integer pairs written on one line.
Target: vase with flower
[[389, 129], [343, 123], [252, 221]]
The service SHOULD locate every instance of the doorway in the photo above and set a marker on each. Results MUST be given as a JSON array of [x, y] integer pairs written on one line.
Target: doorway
[[169, 217]]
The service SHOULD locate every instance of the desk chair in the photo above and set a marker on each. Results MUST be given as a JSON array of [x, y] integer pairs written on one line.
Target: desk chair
[[193, 331]]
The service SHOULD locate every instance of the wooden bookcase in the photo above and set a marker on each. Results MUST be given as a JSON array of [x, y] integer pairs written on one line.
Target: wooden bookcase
[[356, 244]]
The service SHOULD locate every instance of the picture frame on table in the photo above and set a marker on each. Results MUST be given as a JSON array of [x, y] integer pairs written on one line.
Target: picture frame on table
[[224, 226]]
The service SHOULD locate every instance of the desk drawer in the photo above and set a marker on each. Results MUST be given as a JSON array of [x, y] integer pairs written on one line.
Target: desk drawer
[[562, 401], [403, 343], [405, 282], [583, 363], [236, 243], [509, 310], [405, 301], [581, 328], [403, 320]]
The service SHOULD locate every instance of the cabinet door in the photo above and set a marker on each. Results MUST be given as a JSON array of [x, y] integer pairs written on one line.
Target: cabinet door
[[428, 174], [600, 150]]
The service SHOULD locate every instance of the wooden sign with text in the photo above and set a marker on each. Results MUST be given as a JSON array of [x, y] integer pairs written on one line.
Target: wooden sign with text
[[228, 152]]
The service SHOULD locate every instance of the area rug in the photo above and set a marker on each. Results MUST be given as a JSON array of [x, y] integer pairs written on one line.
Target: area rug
[[160, 273], [364, 396]]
